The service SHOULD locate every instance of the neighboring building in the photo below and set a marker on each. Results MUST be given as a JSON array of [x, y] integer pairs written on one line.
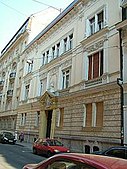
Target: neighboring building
[[122, 28], [12, 64], [69, 84]]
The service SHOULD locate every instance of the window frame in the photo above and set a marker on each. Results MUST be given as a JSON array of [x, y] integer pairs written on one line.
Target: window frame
[[95, 64]]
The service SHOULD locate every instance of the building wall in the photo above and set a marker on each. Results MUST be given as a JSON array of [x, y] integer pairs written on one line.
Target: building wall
[[73, 101]]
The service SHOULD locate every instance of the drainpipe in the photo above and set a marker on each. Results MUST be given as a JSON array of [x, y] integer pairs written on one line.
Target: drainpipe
[[120, 83]]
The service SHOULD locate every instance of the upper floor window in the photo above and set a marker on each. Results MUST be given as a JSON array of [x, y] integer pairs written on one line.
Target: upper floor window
[[30, 67], [47, 56], [41, 88], [71, 41], [95, 65], [96, 23], [66, 79], [65, 44], [124, 13], [100, 20], [43, 59], [53, 51], [58, 49], [27, 91], [92, 25]]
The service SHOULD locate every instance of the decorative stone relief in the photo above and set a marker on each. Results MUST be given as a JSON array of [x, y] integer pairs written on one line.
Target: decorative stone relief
[[66, 64], [94, 46]]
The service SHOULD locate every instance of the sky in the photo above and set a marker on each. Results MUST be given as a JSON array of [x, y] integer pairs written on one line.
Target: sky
[[13, 13]]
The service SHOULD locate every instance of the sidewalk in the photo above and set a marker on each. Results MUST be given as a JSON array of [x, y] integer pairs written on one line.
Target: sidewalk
[[25, 144]]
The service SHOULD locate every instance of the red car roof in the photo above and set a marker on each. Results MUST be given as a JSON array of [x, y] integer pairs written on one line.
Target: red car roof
[[97, 161]]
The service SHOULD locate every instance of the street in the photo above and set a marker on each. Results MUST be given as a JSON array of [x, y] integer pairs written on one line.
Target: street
[[16, 156]]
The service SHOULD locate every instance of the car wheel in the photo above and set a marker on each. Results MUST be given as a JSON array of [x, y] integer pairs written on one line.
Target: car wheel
[[34, 151], [49, 154]]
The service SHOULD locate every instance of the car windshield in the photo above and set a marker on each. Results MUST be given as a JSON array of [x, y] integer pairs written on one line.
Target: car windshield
[[54, 143], [7, 134]]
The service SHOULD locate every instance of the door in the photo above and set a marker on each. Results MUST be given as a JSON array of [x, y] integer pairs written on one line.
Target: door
[[49, 121]]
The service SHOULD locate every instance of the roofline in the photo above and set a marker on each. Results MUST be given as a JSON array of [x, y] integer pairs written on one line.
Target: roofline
[[50, 25], [14, 35]]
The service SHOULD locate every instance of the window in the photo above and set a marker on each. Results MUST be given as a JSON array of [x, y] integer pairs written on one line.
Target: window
[[100, 18], [65, 44], [124, 13], [66, 78], [53, 52], [71, 41], [58, 50], [47, 56], [41, 88], [23, 119], [30, 67], [27, 91], [93, 115], [60, 115], [95, 67], [37, 118], [89, 115], [87, 149], [92, 25], [95, 23], [95, 148], [68, 164], [99, 114], [43, 59]]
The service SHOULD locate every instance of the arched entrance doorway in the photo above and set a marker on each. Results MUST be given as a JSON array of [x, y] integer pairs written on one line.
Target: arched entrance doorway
[[47, 117], [49, 122]]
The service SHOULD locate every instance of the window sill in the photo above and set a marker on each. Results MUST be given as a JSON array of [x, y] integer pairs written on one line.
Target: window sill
[[92, 129], [93, 82]]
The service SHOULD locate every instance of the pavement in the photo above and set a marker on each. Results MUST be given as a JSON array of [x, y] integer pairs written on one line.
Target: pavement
[[25, 144]]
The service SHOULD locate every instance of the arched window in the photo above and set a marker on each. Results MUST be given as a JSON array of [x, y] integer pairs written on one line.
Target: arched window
[[95, 148], [87, 149]]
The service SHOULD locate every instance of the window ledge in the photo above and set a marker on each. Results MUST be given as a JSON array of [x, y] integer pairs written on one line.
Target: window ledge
[[96, 35], [92, 129], [93, 82]]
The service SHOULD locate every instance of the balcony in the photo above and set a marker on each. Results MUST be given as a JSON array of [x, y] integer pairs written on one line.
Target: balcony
[[12, 76], [9, 93], [1, 83]]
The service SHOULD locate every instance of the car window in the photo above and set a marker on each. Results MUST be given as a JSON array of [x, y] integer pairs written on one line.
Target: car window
[[68, 165], [120, 153], [54, 143]]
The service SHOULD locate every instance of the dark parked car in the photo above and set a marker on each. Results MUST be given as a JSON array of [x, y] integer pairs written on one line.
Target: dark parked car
[[120, 152], [79, 161], [7, 137], [48, 147]]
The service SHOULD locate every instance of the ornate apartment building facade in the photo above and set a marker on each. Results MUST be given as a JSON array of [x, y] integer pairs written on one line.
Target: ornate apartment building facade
[[68, 79]]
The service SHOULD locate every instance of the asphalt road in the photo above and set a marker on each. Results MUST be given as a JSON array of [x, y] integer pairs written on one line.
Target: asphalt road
[[16, 156]]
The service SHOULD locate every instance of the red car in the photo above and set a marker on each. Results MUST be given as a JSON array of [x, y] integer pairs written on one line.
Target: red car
[[48, 147], [79, 161]]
